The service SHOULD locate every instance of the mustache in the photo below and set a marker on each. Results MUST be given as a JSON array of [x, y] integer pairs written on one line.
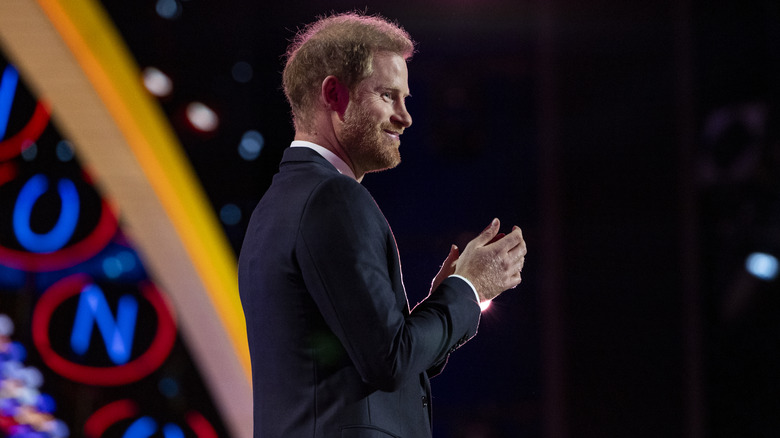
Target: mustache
[[391, 127]]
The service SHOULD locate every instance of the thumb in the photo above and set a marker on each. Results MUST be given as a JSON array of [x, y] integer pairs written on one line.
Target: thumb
[[452, 257], [488, 233]]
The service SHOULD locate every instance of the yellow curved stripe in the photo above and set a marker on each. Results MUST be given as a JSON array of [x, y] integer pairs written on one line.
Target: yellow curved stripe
[[94, 41]]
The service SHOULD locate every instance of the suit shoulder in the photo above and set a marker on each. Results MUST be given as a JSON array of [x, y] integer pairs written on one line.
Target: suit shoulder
[[340, 198], [339, 183]]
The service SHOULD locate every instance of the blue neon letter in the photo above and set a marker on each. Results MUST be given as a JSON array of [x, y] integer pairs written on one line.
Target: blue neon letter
[[145, 427], [117, 334], [58, 236], [171, 430], [7, 91]]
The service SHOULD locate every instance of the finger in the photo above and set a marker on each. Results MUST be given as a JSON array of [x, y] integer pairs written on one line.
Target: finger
[[520, 250], [512, 240], [517, 277], [498, 237], [452, 256], [488, 233], [447, 268]]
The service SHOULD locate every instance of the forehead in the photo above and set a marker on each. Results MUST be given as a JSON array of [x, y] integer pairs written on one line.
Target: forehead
[[389, 70]]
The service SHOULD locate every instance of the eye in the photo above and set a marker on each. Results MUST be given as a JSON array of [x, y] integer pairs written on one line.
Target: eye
[[387, 95]]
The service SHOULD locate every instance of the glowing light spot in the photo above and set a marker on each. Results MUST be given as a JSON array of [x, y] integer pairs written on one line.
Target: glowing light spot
[[168, 9], [17, 351], [168, 387], [251, 145], [112, 267], [65, 151], [484, 305], [127, 259], [230, 214], [762, 265], [6, 326], [58, 428], [46, 404], [31, 377], [242, 72], [120, 263], [202, 117], [157, 82], [29, 150]]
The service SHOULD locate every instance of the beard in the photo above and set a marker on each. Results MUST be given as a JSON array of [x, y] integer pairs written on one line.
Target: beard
[[366, 142]]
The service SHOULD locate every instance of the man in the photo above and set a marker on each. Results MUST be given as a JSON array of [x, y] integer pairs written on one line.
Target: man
[[335, 350]]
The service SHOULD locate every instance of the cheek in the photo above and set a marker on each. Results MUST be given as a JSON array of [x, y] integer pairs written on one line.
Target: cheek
[[379, 112]]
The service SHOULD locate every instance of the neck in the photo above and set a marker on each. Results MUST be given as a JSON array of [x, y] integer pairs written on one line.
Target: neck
[[330, 143]]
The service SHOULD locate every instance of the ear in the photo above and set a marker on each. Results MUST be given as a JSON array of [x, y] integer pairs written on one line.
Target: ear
[[335, 95]]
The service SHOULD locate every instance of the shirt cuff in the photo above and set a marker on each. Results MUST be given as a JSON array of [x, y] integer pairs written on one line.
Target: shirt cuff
[[473, 289]]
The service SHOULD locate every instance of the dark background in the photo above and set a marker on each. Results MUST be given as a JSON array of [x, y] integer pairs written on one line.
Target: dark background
[[634, 142]]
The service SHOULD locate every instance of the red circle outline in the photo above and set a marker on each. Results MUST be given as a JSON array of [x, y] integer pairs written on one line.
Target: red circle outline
[[130, 372], [105, 417], [200, 425], [69, 256], [99, 422]]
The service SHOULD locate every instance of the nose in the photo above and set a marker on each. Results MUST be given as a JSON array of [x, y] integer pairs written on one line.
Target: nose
[[402, 116]]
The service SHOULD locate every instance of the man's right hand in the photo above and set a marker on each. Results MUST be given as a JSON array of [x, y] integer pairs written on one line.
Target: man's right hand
[[493, 267]]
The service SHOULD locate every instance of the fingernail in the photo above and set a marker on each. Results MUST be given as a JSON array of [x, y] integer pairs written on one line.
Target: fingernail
[[493, 224]]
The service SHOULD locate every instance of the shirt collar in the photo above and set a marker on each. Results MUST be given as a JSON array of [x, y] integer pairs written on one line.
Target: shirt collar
[[332, 158]]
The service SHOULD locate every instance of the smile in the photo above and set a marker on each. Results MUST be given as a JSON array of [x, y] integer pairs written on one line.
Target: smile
[[394, 135]]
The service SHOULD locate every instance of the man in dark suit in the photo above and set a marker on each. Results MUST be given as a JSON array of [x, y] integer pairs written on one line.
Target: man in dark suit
[[336, 351]]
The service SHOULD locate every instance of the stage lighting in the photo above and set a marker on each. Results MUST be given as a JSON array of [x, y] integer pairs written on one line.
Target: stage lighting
[[168, 9], [157, 82], [202, 117], [64, 151], [762, 265], [251, 145], [230, 214], [29, 150]]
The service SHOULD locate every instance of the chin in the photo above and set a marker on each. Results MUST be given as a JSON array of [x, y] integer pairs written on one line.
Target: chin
[[386, 164]]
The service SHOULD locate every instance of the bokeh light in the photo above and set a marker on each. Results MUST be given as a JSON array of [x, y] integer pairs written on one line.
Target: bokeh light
[[202, 117], [251, 145], [762, 265], [157, 82]]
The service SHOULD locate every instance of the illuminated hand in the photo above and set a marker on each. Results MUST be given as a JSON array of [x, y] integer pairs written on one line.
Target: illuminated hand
[[491, 265], [447, 268]]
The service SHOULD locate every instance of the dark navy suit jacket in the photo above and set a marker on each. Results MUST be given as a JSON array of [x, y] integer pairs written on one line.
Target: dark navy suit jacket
[[335, 350]]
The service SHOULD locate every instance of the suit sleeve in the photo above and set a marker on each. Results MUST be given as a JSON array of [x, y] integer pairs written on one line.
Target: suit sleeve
[[343, 249]]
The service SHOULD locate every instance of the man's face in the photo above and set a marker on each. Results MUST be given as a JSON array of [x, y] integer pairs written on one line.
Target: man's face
[[376, 116]]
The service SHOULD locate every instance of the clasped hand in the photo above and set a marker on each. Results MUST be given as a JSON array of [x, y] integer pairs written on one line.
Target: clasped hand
[[492, 262]]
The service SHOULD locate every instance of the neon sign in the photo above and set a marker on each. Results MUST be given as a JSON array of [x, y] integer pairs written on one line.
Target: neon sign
[[126, 415], [117, 332], [7, 90], [31, 132], [70, 241], [97, 320], [77, 234], [62, 231]]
